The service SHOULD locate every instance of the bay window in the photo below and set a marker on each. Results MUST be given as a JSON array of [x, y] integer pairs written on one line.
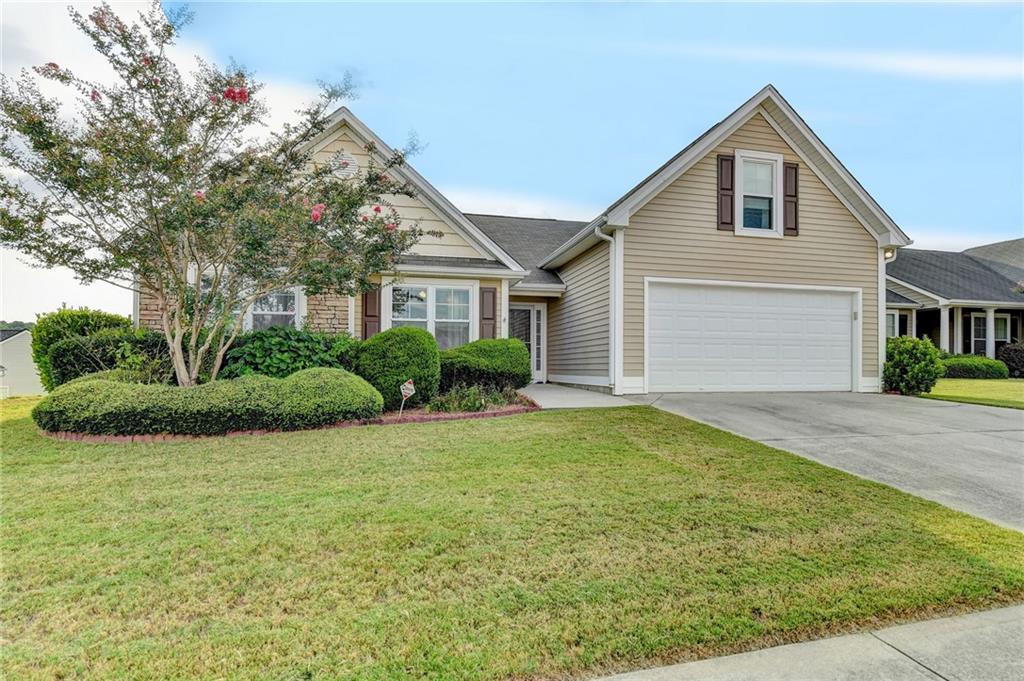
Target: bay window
[[443, 310]]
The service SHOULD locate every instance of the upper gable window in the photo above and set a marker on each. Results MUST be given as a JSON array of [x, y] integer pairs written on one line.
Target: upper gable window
[[759, 199]]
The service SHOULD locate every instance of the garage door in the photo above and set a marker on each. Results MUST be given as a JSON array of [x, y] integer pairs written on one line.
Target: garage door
[[729, 338]]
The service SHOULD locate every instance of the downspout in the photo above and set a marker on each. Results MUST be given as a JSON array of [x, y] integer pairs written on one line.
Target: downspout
[[611, 302]]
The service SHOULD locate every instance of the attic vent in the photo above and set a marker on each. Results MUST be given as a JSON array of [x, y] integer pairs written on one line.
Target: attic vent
[[346, 163]]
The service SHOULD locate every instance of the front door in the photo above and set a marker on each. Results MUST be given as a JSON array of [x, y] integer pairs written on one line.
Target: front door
[[526, 322]]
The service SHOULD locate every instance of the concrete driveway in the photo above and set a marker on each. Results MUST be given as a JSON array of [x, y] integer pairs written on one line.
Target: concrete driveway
[[964, 456]]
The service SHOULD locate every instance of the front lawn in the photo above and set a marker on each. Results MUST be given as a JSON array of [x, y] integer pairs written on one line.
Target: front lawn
[[1007, 392], [549, 544]]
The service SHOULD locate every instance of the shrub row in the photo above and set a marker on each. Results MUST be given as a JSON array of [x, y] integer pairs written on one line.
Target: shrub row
[[307, 399], [492, 364], [282, 350], [143, 350], [974, 366]]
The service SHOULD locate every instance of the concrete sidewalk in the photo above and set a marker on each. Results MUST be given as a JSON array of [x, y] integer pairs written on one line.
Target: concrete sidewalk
[[984, 646], [551, 396]]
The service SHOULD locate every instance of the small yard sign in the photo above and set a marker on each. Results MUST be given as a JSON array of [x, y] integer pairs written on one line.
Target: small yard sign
[[408, 390]]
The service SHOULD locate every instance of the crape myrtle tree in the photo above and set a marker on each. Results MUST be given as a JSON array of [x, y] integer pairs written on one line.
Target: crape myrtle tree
[[157, 184]]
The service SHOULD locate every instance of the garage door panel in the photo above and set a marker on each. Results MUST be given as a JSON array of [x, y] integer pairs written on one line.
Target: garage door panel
[[720, 338]]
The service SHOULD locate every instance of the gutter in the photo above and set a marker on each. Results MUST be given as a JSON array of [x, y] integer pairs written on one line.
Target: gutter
[[577, 239], [611, 301]]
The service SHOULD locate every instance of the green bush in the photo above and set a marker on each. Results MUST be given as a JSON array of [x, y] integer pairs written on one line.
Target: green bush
[[1012, 355], [473, 398], [390, 358], [307, 399], [140, 350], [912, 365], [974, 366], [116, 375], [282, 350], [498, 364], [66, 322]]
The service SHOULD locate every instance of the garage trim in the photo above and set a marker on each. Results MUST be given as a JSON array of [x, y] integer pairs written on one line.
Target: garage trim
[[856, 321]]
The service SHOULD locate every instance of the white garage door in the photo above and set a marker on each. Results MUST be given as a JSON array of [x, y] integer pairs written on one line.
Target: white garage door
[[730, 338]]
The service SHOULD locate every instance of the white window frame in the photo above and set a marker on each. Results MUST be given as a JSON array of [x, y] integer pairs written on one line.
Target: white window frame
[[895, 324], [742, 156], [981, 315], [300, 308], [431, 285]]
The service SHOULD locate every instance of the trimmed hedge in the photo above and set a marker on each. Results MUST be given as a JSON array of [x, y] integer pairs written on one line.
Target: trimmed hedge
[[496, 364], [54, 327], [109, 349], [307, 399], [390, 358], [1012, 355], [974, 366], [912, 365], [282, 350]]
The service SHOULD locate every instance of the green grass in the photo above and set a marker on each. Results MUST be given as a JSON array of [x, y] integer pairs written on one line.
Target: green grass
[[995, 392], [546, 545]]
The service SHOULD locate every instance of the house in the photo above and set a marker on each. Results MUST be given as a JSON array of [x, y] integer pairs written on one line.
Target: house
[[750, 260], [18, 374], [970, 302]]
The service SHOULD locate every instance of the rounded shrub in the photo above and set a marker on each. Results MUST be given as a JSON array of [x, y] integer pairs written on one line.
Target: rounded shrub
[[912, 365], [54, 327], [144, 350], [1012, 355], [116, 375], [392, 357], [307, 399], [974, 366], [497, 364]]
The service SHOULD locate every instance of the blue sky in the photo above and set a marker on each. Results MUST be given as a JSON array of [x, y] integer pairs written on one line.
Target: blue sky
[[566, 106], [556, 110]]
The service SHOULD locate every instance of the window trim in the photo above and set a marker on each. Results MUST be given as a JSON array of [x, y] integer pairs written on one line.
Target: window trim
[[300, 308], [431, 285], [982, 315], [742, 155]]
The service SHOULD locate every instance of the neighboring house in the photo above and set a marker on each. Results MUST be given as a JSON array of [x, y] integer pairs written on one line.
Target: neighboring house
[[751, 260], [17, 370], [968, 303]]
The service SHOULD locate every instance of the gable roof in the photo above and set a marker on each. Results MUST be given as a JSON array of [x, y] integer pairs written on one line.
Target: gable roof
[[793, 130], [1005, 257], [9, 333], [426, 191], [961, 276], [528, 240]]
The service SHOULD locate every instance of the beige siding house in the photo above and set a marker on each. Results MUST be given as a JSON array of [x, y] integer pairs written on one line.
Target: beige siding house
[[752, 260]]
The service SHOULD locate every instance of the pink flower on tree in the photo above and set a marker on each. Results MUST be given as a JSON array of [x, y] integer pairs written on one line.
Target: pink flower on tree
[[215, 99], [376, 209], [52, 65], [390, 226], [242, 95], [317, 212], [365, 218], [200, 195], [229, 93], [95, 96]]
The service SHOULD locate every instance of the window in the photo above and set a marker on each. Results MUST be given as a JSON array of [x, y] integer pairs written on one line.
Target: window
[[277, 309], [891, 326], [979, 331], [759, 195], [444, 311]]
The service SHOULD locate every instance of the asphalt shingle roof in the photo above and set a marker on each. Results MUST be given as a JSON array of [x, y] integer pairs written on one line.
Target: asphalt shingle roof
[[528, 240], [447, 261], [9, 333], [893, 298], [962, 276]]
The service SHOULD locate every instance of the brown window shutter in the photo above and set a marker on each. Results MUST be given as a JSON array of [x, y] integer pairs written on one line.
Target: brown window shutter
[[371, 313], [726, 193], [488, 311], [790, 221]]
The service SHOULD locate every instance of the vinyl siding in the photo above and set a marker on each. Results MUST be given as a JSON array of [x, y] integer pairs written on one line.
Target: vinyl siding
[[910, 293], [411, 209], [675, 235], [578, 321]]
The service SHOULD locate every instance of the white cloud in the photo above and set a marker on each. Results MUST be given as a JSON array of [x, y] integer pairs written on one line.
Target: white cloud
[[927, 65], [476, 200], [32, 34], [943, 239]]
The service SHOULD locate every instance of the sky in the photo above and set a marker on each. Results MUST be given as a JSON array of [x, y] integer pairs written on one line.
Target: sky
[[557, 109]]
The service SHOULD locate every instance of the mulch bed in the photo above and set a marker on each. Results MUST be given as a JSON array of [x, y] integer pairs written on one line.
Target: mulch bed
[[389, 419]]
